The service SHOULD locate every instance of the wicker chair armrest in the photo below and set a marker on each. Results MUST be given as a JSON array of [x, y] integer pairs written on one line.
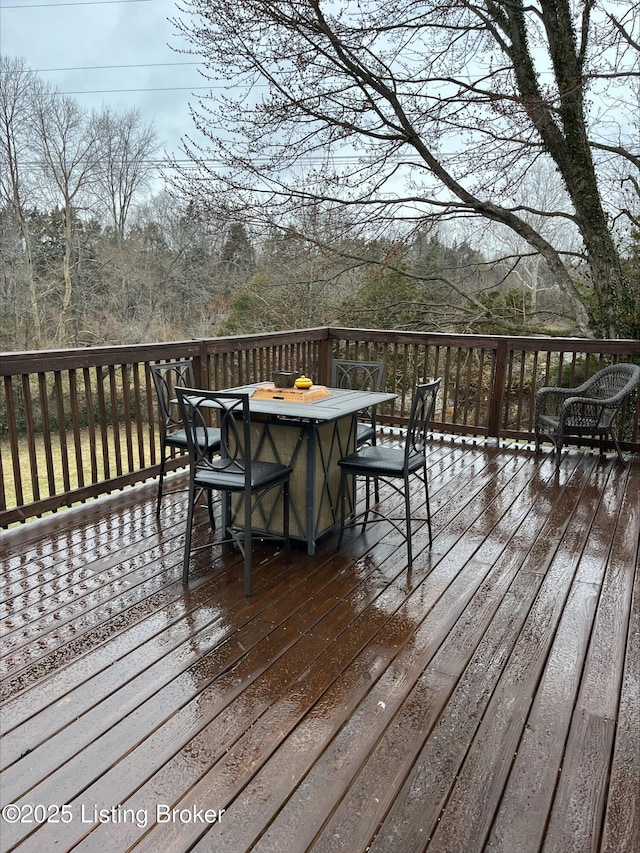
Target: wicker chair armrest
[[549, 400]]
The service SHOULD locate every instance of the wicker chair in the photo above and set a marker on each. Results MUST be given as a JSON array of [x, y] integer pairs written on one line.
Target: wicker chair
[[586, 411]]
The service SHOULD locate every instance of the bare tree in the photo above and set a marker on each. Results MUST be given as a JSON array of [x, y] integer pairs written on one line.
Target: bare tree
[[410, 110], [19, 89], [126, 167], [69, 151], [540, 190]]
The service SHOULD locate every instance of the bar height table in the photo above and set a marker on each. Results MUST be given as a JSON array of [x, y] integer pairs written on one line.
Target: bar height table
[[310, 437]]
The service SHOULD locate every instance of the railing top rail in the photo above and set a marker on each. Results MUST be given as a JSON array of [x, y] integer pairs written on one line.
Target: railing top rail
[[120, 353], [543, 344], [267, 339], [12, 363]]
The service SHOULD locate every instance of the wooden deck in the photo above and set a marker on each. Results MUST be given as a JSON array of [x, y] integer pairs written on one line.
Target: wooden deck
[[485, 700]]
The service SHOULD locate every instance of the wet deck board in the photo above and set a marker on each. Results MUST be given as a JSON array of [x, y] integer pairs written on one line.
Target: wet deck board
[[487, 699]]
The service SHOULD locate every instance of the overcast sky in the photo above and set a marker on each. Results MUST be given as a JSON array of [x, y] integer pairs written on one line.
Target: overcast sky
[[111, 52]]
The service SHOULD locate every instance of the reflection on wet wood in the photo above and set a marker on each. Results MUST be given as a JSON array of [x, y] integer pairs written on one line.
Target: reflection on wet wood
[[485, 700]]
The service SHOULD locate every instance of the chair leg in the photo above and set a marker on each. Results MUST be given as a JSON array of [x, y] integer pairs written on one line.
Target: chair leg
[[160, 482], [285, 521], [558, 454], [376, 481], [212, 520], [187, 540], [343, 478], [247, 545], [407, 511], [367, 506], [615, 444], [226, 521], [426, 496]]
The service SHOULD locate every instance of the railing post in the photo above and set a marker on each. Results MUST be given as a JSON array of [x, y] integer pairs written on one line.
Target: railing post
[[201, 367], [496, 394], [324, 359]]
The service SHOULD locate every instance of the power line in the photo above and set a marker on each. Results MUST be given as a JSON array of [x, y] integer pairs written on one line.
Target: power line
[[120, 91], [77, 3], [106, 67]]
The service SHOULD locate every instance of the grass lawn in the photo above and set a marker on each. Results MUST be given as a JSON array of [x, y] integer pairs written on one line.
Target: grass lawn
[[52, 482]]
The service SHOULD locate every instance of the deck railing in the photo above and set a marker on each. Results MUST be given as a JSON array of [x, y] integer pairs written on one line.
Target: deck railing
[[79, 423]]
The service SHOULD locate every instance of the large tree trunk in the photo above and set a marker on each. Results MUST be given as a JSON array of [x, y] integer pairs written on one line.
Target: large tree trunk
[[34, 306], [562, 128], [618, 301], [63, 330]]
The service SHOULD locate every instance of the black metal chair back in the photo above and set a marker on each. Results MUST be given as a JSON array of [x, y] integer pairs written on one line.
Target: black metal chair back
[[231, 410], [360, 375], [392, 464], [166, 379], [233, 471], [422, 408]]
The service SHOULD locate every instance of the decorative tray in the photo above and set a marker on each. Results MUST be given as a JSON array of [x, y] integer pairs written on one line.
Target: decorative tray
[[268, 391]]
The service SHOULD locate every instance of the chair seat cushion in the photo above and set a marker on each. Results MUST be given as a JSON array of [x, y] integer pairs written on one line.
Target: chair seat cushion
[[226, 475], [380, 461], [209, 438]]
